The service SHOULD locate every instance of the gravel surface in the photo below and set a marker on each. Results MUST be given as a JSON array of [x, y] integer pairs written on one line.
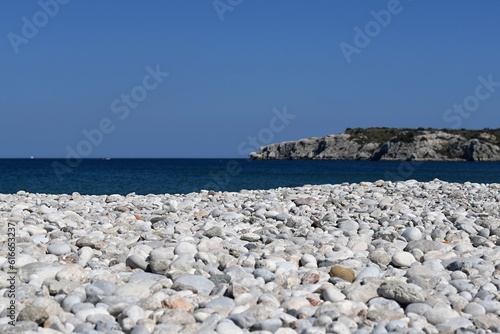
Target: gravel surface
[[381, 257]]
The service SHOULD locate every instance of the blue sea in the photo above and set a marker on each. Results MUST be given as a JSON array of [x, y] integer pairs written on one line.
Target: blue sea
[[160, 176]]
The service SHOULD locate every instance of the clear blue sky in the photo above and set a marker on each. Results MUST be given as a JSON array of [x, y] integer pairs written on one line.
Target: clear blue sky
[[227, 76]]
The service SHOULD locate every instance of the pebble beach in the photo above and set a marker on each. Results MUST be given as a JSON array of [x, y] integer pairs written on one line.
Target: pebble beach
[[369, 257]]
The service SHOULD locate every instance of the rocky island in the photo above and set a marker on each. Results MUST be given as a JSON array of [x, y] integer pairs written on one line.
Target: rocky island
[[390, 144]]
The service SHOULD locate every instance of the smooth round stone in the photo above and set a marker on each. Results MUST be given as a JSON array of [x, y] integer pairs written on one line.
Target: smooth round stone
[[322, 321], [466, 294], [244, 299], [282, 217], [134, 312], [99, 318], [140, 329], [485, 232], [135, 261], [83, 314], [474, 309], [265, 274], [266, 264], [440, 314], [42, 270], [133, 289], [458, 275], [269, 325], [185, 248], [116, 309], [349, 226], [58, 248], [344, 273], [338, 328], [403, 259], [23, 259], [85, 254], [308, 261], [332, 294], [81, 306], [412, 233], [457, 302], [70, 301], [200, 284], [228, 327], [286, 331], [452, 325], [397, 326], [463, 285]]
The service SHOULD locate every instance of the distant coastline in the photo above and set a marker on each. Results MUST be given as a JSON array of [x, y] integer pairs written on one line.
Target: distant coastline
[[392, 144]]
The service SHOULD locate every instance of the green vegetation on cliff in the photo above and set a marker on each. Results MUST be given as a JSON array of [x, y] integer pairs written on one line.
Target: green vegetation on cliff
[[407, 135]]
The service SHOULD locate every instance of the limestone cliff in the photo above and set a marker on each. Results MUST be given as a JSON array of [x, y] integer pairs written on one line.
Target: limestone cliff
[[391, 144]]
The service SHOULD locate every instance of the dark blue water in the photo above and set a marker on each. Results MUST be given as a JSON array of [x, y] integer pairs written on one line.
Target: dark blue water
[[158, 176]]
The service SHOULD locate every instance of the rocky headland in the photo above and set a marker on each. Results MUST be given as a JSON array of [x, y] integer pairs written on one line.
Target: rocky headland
[[390, 144]]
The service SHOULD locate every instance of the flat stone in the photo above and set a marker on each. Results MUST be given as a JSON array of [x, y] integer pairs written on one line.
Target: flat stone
[[474, 309], [133, 289], [488, 321], [221, 305], [439, 314], [58, 248], [400, 292], [177, 317], [43, 270], [332, 294], [91, 243], [251, 237], [195, 283], [454, 324], [269, 325], [425, 246], [228, 327]]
